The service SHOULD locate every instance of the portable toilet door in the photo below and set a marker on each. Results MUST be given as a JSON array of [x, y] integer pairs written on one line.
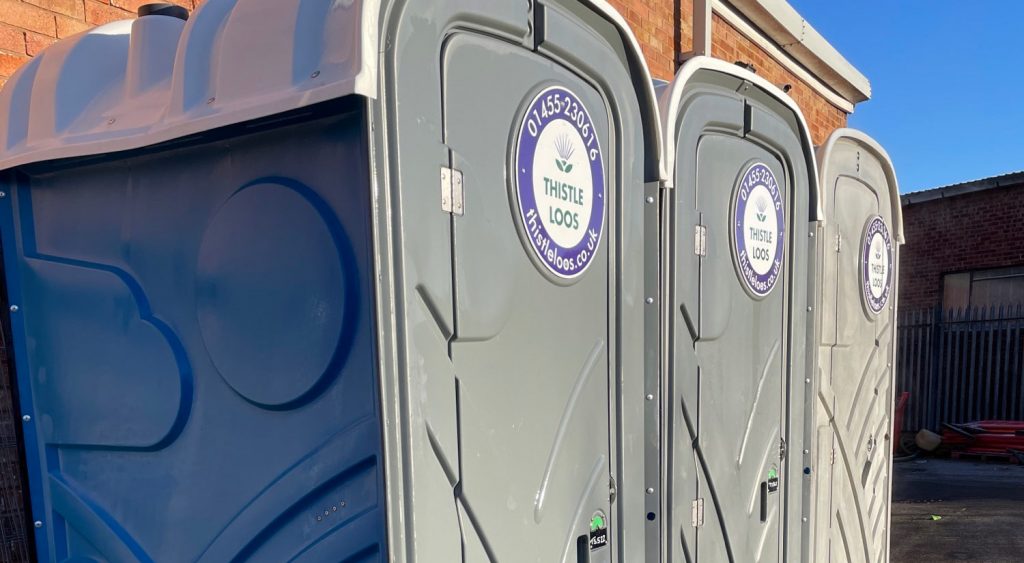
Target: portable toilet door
[[859, 256], [322, 281], [518, 285], [738, 209]]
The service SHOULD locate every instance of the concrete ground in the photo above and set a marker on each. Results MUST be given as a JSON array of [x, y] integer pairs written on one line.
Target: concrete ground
[[981, 506]]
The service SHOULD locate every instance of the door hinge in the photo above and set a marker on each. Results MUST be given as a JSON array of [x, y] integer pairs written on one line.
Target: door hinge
[[452, 192], [697, 513], [611, 490], [700, 240], [832, 461], [839, 243], [782, 449]]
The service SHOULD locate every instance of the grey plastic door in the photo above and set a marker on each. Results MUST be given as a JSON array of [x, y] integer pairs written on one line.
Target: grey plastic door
[[737, 272], [856, 391], [741, 351], [530, 349]]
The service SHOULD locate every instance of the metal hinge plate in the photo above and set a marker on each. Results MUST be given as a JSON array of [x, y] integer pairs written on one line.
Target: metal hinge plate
[[700, 240], [839, 243], [452, 192], [697, 513], [833, 460], [782, 449]]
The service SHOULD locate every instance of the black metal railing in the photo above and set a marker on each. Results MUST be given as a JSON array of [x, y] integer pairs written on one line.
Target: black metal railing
[[960, 365]]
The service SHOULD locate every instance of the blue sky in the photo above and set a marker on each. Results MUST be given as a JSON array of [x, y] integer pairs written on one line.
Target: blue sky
[[946, 79]]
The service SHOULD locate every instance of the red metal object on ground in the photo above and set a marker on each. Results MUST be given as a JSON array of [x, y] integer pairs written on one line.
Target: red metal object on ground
[[985, 438], [897, 419]]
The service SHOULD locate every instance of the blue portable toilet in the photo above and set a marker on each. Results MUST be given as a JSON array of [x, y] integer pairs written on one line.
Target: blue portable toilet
[[312, 280]]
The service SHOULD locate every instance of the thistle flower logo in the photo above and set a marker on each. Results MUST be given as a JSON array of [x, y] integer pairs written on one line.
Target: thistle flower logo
[[762, 206], [564, 148]]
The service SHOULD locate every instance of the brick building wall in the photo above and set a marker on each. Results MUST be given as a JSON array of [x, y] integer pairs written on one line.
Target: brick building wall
[[972, 231], [664, 29]]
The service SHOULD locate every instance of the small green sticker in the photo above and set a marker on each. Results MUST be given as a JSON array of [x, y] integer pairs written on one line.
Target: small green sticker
[[772, 473], [596, 523]]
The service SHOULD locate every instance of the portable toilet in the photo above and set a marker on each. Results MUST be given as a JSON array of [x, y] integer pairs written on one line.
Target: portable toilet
[[859, 257], [320, 281], [739, 209]]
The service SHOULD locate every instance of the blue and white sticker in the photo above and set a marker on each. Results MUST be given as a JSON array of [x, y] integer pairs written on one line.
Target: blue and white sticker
[[876, 260], [559, 182], [760, 224]]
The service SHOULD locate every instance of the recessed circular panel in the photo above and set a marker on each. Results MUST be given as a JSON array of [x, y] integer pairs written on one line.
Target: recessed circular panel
[[271, 293]]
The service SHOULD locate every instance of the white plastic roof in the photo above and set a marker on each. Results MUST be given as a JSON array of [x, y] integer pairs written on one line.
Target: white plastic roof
[[134, 83], [140, 82]]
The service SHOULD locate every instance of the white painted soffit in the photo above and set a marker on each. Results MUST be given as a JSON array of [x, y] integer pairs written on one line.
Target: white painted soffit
[[794, 36]]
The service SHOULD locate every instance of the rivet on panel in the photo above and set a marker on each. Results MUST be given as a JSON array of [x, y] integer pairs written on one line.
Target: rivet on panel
[[211, 100], [810, 234], [804, 518], [807, 451], [3, 195], [808, 380], [26, 418], [650, 490], [650, 397], [650, 199], [649, 300], [809, 309], [315, 74], [14, 308], [111, 121], [342, 504], [39, 523]]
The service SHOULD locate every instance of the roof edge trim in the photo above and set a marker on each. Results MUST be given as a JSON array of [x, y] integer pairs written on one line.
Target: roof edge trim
[[795, 35]]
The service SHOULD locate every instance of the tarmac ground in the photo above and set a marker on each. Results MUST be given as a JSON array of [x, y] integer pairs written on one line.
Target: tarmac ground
[[956, 510]]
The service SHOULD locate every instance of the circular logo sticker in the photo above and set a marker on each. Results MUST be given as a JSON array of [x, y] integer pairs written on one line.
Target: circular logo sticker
[[559, 182], [760, 222], [876, 270]]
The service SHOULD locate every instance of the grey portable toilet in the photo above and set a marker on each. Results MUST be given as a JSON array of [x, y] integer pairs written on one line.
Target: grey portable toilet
[[317, 281], [738, 214], [859, 256]]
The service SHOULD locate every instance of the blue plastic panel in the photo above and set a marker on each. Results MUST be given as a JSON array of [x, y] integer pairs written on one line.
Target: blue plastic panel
[[195, 346]]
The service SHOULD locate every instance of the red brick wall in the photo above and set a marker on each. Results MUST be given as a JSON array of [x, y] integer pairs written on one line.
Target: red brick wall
[[652, 23], [28, 26], [966, 232]]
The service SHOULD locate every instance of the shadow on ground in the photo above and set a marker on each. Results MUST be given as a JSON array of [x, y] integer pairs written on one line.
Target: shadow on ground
[[980, 508]]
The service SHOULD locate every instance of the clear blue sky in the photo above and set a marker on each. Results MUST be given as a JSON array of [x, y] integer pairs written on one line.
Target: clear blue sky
[[946, 80]]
